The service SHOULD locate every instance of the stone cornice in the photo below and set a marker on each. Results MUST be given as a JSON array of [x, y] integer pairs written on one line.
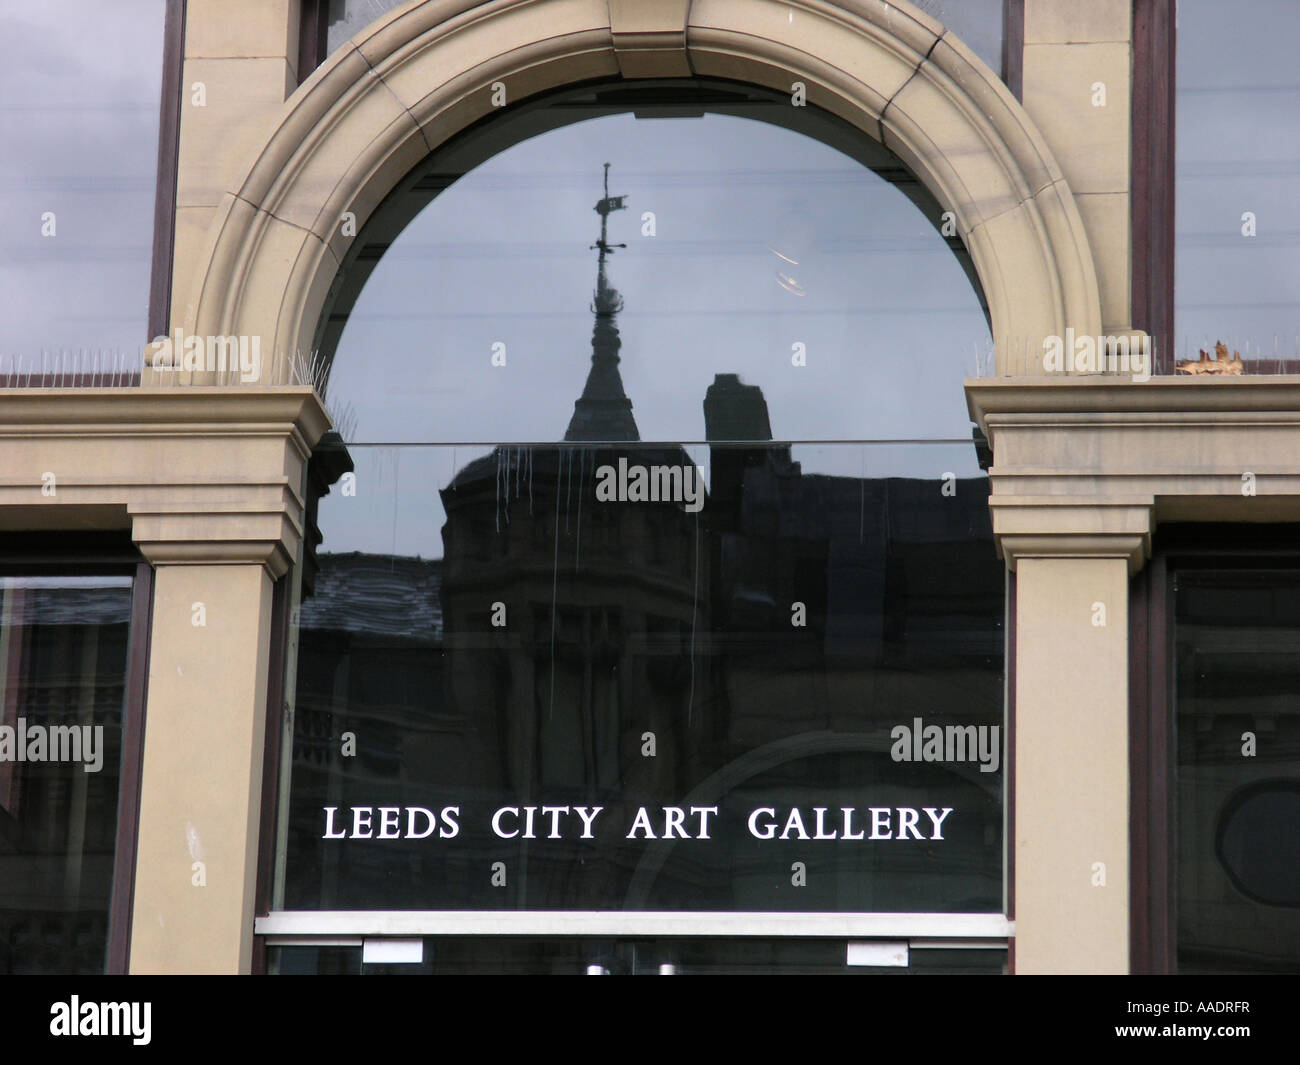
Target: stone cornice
[[200, 475], [1005, 398], [130, 411], [1086, 467]]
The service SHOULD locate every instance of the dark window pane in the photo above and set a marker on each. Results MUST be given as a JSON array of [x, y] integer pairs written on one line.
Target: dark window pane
[[1238, 757], [1252, 842], [63, 651], [624, 619]]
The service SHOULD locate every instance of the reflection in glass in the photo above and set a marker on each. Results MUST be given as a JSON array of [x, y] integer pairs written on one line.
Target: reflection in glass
[[768, 642], [978, 23], [63, 650], [1238, 181], [80, 83], [767, 241], [664, 659], [347, 18], [1254, 822], [1237, 663]]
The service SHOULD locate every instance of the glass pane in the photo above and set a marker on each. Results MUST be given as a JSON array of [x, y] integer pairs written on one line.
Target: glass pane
[[751, 668], [775, 685], [63, 654], [977, 22], [741, 236], [1238, 181], [347, 18], [80, 82], [1238, 736], [465, 956]]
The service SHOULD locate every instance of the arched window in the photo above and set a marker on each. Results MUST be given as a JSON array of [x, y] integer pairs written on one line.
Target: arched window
[[656, 574]]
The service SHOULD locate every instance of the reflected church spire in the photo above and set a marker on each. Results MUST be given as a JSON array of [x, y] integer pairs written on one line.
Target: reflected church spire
[[603, 411]]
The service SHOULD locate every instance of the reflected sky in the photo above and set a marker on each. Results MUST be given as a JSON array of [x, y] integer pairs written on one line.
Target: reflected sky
[[79, 100], [767, 245], [1238, 131]]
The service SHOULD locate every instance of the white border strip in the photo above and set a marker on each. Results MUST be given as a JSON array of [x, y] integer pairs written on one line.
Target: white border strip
[[630, 923]]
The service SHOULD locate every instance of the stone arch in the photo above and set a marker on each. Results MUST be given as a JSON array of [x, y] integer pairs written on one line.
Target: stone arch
[[431, 69]]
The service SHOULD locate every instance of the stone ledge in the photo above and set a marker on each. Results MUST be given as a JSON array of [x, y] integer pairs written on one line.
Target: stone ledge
[[1087, 466], [1112, 394], [201, 475]]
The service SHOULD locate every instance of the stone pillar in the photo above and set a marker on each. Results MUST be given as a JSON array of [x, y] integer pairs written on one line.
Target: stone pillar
[[1071, 734], [196, 862], [1083, 469], [241, 64], [1077, 87]]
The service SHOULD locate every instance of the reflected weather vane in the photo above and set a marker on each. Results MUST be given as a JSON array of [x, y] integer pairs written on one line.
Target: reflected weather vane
[[603, 411], [608, 301]]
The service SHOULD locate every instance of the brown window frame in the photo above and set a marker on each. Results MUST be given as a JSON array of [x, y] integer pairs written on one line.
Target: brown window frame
[[1013, 46], [1152, 770], [313, 37], [63, 555], [169, 140], [1152, 160]]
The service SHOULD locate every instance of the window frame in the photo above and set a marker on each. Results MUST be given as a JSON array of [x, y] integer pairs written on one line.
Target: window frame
[[1152, 161], [63, 555], [1153, 889], [926, 929]]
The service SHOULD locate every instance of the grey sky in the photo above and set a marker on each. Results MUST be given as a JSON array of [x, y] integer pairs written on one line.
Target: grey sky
[[79, 101], [884, 311], [1238, 130]]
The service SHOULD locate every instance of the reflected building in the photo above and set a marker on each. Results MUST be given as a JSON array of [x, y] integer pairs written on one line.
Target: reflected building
[[63, 666], [568, 651]]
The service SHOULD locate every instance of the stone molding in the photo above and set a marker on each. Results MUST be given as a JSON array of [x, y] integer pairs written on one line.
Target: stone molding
[[650, 39], [199, 475], [1087, 467], [425, 72]]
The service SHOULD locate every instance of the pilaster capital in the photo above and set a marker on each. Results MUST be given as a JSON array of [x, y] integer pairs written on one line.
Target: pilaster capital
[[1050, 527]]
